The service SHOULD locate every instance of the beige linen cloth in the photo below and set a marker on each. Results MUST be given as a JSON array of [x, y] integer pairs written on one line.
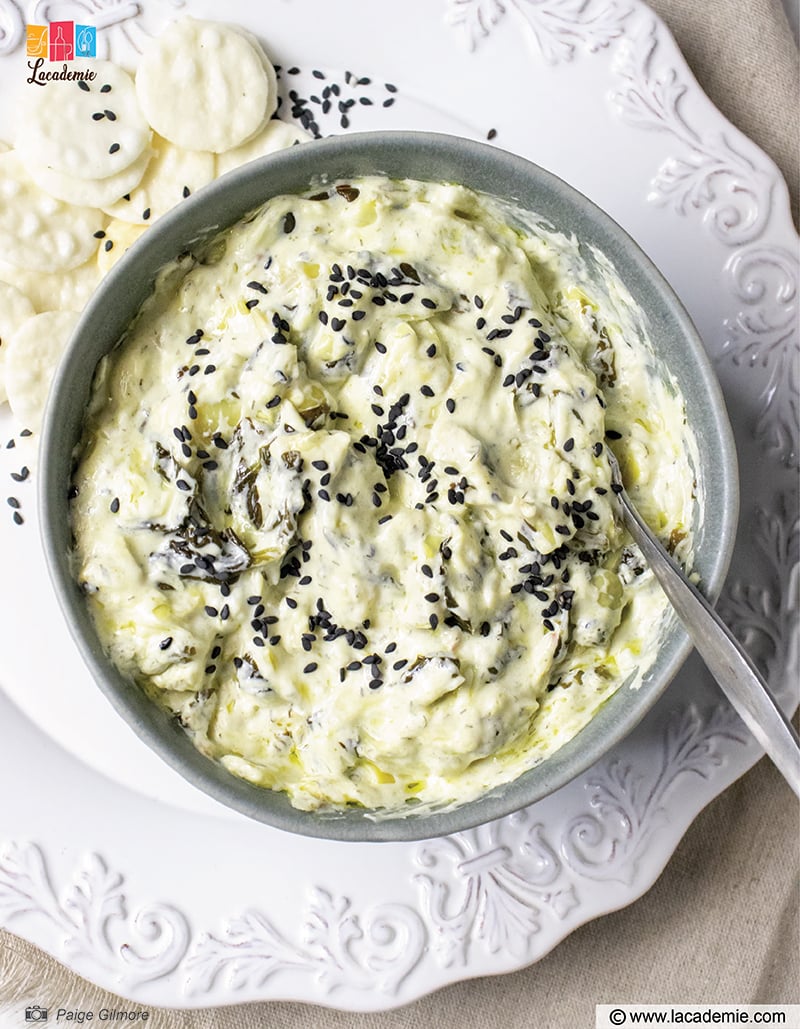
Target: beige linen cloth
[[721, 924]]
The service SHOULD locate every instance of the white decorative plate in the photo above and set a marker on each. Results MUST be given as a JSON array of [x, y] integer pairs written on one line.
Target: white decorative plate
[[132, 878]]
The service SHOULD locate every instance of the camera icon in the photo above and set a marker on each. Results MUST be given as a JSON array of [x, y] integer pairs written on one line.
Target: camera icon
[[35, 1013]]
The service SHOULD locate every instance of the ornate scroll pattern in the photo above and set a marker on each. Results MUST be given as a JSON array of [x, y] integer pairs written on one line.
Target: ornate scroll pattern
[[711, 175], [765, 616], [491, 883], [557, 28], [91, 918], [765, 334], [338, 948], [12, 27], [629, 806]]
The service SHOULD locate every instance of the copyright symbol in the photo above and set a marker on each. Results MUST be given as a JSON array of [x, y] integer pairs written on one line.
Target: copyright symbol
[[616, 1016]]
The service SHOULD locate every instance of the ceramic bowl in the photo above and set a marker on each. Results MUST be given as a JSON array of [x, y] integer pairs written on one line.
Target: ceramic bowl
[[398, 155]]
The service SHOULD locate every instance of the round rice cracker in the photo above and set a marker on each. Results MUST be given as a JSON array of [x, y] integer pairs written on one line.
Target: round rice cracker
[[55, 291], [87, 129], [90, 192], [272, 78], [276, 135], [173, 174], [121, 235], [33, 355], [203, 86], [36, 230], [15, 309]]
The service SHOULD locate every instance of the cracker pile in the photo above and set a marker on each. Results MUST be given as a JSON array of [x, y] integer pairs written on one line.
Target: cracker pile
[[94, 163]]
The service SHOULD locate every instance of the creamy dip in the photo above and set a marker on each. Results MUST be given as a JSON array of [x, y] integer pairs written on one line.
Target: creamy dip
[[343, 505]]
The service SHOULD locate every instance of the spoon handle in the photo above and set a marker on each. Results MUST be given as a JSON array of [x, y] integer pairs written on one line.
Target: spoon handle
[[724, 657]]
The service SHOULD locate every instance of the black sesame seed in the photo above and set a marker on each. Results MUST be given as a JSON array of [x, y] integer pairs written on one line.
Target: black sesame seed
[[434, 621], [166, 643], [83, 85], [146, 214], [113, 148], [211, 611], [426, 391], [12, 502], [450, 404], [613, 434], [108, 245], [18, 519], [114, 506], [569, 445]]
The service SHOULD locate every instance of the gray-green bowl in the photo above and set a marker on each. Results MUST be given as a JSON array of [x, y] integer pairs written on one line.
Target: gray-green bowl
[[398, 155]]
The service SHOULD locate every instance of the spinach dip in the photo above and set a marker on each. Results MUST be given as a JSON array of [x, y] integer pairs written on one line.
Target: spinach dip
[[342, 503]]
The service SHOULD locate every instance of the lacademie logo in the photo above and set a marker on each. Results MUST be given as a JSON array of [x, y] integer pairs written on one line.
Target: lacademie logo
[[59, 42]]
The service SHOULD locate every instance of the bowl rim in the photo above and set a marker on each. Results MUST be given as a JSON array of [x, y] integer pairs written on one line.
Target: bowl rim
[[192, 220]]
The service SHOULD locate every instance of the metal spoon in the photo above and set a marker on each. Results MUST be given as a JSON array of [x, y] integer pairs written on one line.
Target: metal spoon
[[724, 657]]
